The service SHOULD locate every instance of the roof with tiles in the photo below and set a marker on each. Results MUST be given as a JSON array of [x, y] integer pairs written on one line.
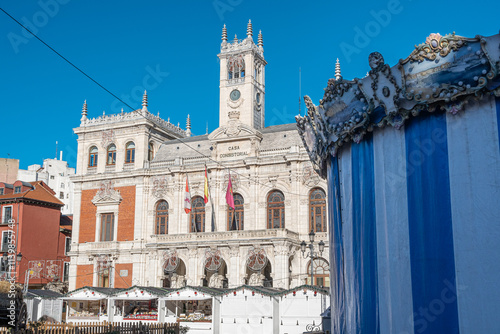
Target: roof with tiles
[[41, 193]]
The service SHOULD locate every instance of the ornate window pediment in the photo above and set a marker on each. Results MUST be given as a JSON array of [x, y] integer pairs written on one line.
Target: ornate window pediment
[[107, 195]]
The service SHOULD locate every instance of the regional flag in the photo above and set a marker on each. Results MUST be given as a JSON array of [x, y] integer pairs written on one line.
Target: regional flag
[[205, 193], [229, 193], [187, 199]]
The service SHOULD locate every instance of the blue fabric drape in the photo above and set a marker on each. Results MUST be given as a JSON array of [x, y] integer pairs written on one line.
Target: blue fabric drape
[[364, 239], [337, 249], [430, 226]]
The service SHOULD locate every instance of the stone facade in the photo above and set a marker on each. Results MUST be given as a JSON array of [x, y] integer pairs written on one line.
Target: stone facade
[[261, 161]]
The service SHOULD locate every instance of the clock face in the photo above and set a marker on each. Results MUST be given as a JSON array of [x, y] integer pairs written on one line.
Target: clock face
[[235, 95]]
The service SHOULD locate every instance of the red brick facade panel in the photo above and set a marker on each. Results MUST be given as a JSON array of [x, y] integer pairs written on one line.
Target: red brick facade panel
[[126, 213], [84, 275], [87, 217], [124, 281]]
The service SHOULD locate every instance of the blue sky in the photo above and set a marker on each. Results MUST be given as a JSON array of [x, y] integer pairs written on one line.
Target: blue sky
[[121, 43]]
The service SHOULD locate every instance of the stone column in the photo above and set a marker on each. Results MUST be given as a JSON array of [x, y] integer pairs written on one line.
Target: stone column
[[233, 271], [281, 271]]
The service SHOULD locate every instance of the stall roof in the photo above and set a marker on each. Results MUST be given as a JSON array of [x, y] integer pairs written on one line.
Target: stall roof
[[143, 292], [44, 294], [91, 293], [140, 292]]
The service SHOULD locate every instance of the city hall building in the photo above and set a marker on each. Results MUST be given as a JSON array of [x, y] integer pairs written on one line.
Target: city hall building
[[130, 226]]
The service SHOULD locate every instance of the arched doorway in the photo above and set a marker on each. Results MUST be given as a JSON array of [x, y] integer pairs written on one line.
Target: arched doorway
[[258, 268], [174, 270], [215, 270]]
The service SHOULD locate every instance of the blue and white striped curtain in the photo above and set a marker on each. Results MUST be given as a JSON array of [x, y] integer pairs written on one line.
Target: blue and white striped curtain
[[415, 225]]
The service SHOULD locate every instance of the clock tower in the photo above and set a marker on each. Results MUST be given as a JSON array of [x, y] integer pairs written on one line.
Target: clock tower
[[242, 73]]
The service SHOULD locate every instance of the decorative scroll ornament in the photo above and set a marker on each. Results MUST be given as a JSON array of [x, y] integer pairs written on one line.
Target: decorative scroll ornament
[[435, 45], [53, 269], [103, 263], [257, 259], [309, 177], [159, 186], [213, 260], [108, 137], [442, 74], [170, 261]]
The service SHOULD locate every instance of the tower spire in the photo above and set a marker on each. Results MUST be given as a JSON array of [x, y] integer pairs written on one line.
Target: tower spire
[[188, 127], [337, 70], [235, 39], [260, 42], [224, 34], [249, 29], [145, 101], [84, 111]]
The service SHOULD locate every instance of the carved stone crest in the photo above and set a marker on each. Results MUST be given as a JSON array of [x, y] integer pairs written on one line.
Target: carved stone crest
[[159, 186], [235, 181], [107, 194], [309, 177], [107, 137]]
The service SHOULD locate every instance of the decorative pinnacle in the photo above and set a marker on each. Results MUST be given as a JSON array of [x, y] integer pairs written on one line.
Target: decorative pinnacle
[[224, 34], [145, 101], [84, 111], [337, 70], [235, 38], [188, 126], [260, 42], [249, 29]]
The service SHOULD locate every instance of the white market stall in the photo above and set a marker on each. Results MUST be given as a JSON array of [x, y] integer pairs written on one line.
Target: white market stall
[[44, 302], [300, 309], [249, 309], [88, 304], [195, 307], [136, 304]]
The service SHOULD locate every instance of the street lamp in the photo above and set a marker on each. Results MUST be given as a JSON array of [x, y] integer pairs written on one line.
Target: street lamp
[[312, 254]]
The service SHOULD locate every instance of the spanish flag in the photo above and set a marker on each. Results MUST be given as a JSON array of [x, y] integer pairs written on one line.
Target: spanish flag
[[205, 196]]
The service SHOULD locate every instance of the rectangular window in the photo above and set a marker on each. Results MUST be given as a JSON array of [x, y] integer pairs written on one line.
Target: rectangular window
[[67, 246], [1, 191], [17, 190], [52, 177], [103, 278], [66, 272], [107, 222], [7, 214], [61, 195], [6, 239]]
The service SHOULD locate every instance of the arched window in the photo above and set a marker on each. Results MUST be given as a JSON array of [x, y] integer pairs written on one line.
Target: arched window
[[130, 153], [111, 155], [317, 210], [93, 156], [235, 217], [162, 217], [276, 210], [150, 152], [235, 67], [197, 217], [321, 271]]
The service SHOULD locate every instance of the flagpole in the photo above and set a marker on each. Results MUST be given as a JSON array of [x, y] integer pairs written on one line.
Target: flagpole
[[211, 202]]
